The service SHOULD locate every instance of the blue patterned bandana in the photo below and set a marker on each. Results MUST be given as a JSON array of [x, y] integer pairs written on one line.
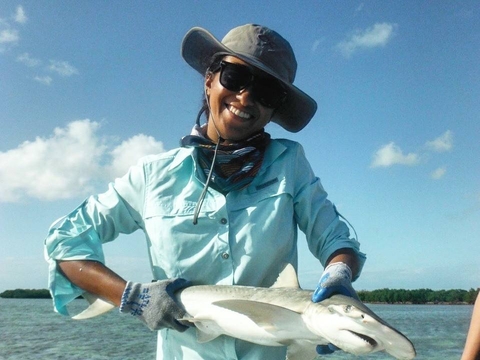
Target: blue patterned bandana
[[235, 164]]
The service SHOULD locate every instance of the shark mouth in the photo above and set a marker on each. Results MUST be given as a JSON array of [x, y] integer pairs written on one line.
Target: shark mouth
[[365, 338]]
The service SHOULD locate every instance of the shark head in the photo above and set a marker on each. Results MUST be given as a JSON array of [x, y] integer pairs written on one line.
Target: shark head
[[356, 329]]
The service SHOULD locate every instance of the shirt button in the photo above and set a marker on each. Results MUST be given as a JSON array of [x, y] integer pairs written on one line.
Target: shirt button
[[223, 221], [225, 255]]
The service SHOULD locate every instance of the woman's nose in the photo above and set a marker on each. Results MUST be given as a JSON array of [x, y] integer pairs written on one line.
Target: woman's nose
[[245, 96]]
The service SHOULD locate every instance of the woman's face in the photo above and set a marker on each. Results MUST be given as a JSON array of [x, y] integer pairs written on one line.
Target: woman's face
[[235, 115]]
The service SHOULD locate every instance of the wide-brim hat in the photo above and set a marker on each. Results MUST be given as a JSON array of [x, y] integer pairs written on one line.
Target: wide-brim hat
[[264, 49]]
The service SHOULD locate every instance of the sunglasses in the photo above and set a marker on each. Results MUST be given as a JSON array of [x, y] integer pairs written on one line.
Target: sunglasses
[[265, 89]]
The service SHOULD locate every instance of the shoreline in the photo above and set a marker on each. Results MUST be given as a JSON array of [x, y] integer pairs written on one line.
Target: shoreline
[[380, 297]]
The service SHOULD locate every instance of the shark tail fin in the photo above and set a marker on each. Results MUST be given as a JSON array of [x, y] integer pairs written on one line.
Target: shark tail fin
[[97, 307]]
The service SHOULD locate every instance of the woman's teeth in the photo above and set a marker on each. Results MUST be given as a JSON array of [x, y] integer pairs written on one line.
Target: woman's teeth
[[239, 113]]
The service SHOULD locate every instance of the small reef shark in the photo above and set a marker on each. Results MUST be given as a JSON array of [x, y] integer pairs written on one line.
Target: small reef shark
[[282, 315]]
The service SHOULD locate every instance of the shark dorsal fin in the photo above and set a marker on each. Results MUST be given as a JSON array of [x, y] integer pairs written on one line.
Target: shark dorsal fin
[[287, 278]]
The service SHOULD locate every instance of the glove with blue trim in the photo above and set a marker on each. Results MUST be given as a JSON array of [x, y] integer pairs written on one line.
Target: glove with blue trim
[[336, 279], [154, 303], [326, 349]]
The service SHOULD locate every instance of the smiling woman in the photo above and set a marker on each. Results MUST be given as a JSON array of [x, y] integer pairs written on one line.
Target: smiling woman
[[223, 209]]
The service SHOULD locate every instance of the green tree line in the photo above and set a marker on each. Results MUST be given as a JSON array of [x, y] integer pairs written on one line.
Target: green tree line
[[388, 296], [26, 294], [419, 296]]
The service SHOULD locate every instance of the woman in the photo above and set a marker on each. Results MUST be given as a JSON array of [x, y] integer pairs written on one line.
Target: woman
[[222, 209], [472, 344]]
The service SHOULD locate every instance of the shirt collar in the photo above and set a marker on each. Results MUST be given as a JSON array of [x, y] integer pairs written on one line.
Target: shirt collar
[[180, 156], [273, 151]]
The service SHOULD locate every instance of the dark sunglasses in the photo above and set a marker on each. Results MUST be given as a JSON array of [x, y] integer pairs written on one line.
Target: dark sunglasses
[[267, 90]]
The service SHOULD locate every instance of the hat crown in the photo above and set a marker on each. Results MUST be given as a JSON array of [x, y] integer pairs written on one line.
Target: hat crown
[[266, 46]]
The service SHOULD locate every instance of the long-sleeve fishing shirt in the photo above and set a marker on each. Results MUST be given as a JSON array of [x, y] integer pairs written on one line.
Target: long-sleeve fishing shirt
[[242, 238]]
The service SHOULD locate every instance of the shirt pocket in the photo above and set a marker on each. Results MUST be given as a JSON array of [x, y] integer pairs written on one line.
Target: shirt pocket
[[169, 220], [175, 244], [259, 192]]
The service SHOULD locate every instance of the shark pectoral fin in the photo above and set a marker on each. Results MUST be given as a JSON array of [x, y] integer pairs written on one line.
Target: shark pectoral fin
[[97, 307], [301, 350], [269, 317], [207, 329], [203, 336]]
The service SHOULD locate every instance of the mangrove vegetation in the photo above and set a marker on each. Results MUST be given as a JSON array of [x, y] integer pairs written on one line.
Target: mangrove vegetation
[[26, 294], [384, 296], [419, 296]]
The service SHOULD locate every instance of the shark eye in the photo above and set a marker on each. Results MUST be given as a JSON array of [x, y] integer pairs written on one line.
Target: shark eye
[[348, 308]]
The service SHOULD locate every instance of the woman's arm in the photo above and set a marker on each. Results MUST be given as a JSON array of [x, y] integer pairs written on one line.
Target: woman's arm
[[347, 256], [472, 345], [95, 278]]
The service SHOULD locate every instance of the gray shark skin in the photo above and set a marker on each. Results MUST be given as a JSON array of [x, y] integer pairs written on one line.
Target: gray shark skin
[[282, 315]]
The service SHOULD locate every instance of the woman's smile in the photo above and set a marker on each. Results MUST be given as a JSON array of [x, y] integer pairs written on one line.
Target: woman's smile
[[239, 113]]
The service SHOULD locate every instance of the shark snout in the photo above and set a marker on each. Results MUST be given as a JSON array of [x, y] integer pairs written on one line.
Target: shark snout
[[355, 330], [360, 333]]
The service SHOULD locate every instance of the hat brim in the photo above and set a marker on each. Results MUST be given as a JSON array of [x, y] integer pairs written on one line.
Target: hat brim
[[199, 48]]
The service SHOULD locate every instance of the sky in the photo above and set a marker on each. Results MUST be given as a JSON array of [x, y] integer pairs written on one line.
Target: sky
[[88, 87]]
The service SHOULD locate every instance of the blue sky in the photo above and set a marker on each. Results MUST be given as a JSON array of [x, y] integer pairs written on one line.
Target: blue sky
[[86, 87]]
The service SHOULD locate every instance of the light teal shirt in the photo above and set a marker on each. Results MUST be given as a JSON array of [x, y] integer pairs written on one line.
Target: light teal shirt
[[243, 238]]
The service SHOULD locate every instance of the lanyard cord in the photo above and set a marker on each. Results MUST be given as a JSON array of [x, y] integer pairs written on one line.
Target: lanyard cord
[[205, 188], [210, 172], [348, 222]]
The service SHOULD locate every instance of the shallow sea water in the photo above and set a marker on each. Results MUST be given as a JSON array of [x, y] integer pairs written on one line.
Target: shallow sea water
[[29, 329]]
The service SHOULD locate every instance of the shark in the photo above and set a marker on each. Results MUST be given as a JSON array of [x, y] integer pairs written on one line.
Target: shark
[[282, 315]]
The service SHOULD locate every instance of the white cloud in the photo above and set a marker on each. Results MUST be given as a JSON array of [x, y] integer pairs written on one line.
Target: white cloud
[[62, 68], [27, 60], [359, 8], [375, 36], [439, 173], [20, 16], [443, 143], [129, 151], [66, 164], [52, 168], [391, 154], [317, 43], [45, 80], [9, 36]]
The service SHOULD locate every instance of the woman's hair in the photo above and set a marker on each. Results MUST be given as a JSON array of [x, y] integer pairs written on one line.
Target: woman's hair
[[212, 68]]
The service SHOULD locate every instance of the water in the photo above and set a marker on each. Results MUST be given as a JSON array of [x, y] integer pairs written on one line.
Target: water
[[29, 329]]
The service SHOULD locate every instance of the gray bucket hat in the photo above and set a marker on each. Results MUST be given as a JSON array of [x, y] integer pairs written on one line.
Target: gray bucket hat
[[264, 49]]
